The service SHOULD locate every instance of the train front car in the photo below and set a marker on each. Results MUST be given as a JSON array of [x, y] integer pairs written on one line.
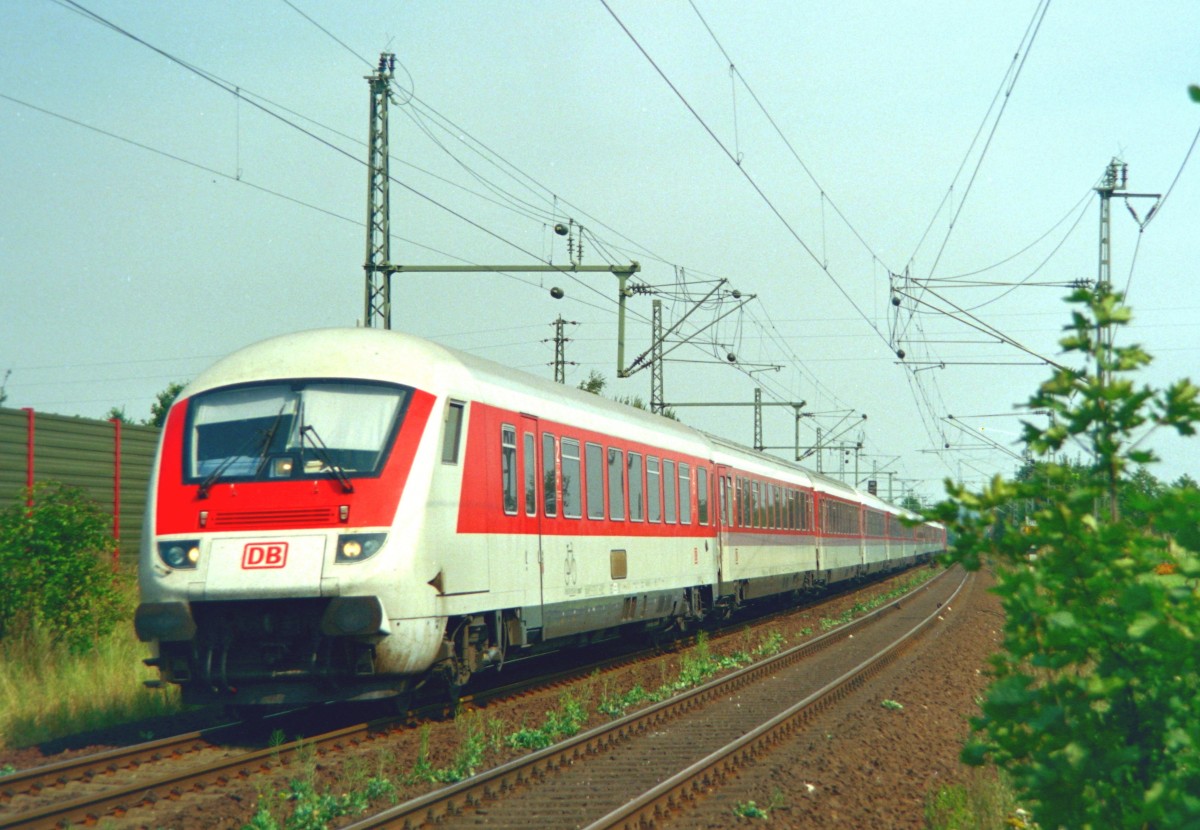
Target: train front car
[[287, 496]]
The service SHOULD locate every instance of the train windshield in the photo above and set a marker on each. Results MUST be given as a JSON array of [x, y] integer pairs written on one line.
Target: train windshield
[[292, 429]]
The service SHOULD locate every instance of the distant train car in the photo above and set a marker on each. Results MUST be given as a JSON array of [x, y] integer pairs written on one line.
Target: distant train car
[[347, 513]]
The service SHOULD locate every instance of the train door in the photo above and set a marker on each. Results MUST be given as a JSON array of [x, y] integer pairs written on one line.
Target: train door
[[726, 519], [534, 497]]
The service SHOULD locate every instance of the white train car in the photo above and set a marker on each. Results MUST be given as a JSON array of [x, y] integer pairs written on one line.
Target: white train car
[[342, 514]]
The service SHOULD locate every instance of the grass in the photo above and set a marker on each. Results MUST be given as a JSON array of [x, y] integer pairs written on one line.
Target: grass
[[48, 692], [985, 802]]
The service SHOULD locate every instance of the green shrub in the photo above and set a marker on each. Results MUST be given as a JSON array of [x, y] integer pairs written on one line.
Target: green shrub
[[54, 554]]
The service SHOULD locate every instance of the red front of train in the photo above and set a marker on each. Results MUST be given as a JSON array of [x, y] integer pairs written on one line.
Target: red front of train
[[277, 523]]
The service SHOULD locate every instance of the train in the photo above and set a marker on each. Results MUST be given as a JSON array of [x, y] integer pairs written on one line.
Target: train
[[353, 514]]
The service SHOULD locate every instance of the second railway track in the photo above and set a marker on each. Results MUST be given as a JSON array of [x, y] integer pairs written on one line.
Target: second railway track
[[118, 782], [636, 770]]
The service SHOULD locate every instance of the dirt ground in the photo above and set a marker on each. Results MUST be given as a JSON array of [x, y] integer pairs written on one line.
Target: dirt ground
[[863, 766]]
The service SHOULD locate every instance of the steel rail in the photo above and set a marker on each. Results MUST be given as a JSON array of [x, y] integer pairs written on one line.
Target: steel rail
[[31, 782], [431, 808], [651, 808]]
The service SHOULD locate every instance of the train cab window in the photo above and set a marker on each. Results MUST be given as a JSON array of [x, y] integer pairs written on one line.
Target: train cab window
[[653, 490], [637, 489], [549, 478], [616, 485], [702, 495], [452, 432], [594, 472], [685, 494], [508, 467], [530, 462], [571, 499]]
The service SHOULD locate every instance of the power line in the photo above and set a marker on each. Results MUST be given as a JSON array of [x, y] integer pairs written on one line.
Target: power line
[[745, 174]]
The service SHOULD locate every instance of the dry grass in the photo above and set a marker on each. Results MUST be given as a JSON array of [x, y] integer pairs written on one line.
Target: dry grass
[[47, 692]]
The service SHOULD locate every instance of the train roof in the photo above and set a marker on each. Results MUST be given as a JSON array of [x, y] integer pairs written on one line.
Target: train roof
[[397, 357]]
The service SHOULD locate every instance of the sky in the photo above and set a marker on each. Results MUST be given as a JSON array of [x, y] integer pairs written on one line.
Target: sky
[[181, 180]]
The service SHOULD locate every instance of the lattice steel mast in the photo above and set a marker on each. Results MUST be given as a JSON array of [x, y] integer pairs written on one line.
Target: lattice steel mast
[[377, 310]]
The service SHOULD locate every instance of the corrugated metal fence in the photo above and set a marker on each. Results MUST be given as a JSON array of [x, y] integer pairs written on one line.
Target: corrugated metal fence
[[108, 461]]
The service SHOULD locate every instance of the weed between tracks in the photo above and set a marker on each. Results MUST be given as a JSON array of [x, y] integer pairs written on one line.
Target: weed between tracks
[[372, 781]]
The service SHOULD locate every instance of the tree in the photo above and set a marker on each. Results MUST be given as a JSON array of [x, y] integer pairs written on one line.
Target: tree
[[117, 413], [162, 404], [911, 502], [1091, 705], [596, 383]]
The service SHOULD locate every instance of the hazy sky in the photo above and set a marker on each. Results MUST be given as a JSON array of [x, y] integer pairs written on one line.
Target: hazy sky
[[196, 182]]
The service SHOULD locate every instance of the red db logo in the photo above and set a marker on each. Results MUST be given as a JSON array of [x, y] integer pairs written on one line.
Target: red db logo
[[264, 555]]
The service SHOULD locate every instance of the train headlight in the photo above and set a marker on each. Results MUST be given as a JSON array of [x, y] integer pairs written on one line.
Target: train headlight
[[180, 554], [355, 547]]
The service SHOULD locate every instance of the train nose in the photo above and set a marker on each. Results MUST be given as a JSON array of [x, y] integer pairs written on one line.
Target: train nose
[[265, 566]]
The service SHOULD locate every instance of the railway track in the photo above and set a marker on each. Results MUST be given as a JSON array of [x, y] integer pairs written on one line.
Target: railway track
[[116, 782], [682, 746]]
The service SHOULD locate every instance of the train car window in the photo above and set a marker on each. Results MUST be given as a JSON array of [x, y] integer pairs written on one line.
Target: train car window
[[743, 497], [530, 462], [572, 504], [670, 490], [806, 509], [616, 485], [594, 473], [508, 467], [702, 495], [756, 517], [549, 478], [685, 494], [773, 506], [452, 432], [637, 488], [653, 490]]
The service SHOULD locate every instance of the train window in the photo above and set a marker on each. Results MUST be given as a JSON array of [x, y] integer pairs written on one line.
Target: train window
[[744, 495], [508, 467], [637, 489], [549, 479], [653, 490], [572, 505], [702, 495], [293, 429], [685, 494], [452, 432], [530, 462], [594, 472], [669, 490], [755, 505], [616, 485]]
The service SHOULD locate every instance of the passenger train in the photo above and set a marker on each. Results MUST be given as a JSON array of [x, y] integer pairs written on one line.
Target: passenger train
[[346, 514]]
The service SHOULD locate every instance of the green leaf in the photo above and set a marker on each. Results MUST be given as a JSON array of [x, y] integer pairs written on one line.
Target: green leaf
[[1141, 626], [1194, 92]]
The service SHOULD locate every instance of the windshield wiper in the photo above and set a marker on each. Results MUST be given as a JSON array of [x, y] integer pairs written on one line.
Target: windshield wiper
[[268, 439], [216, 474], [322, 452]]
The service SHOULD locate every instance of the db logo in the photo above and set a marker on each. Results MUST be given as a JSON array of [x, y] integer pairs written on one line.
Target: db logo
[[264, 555]]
